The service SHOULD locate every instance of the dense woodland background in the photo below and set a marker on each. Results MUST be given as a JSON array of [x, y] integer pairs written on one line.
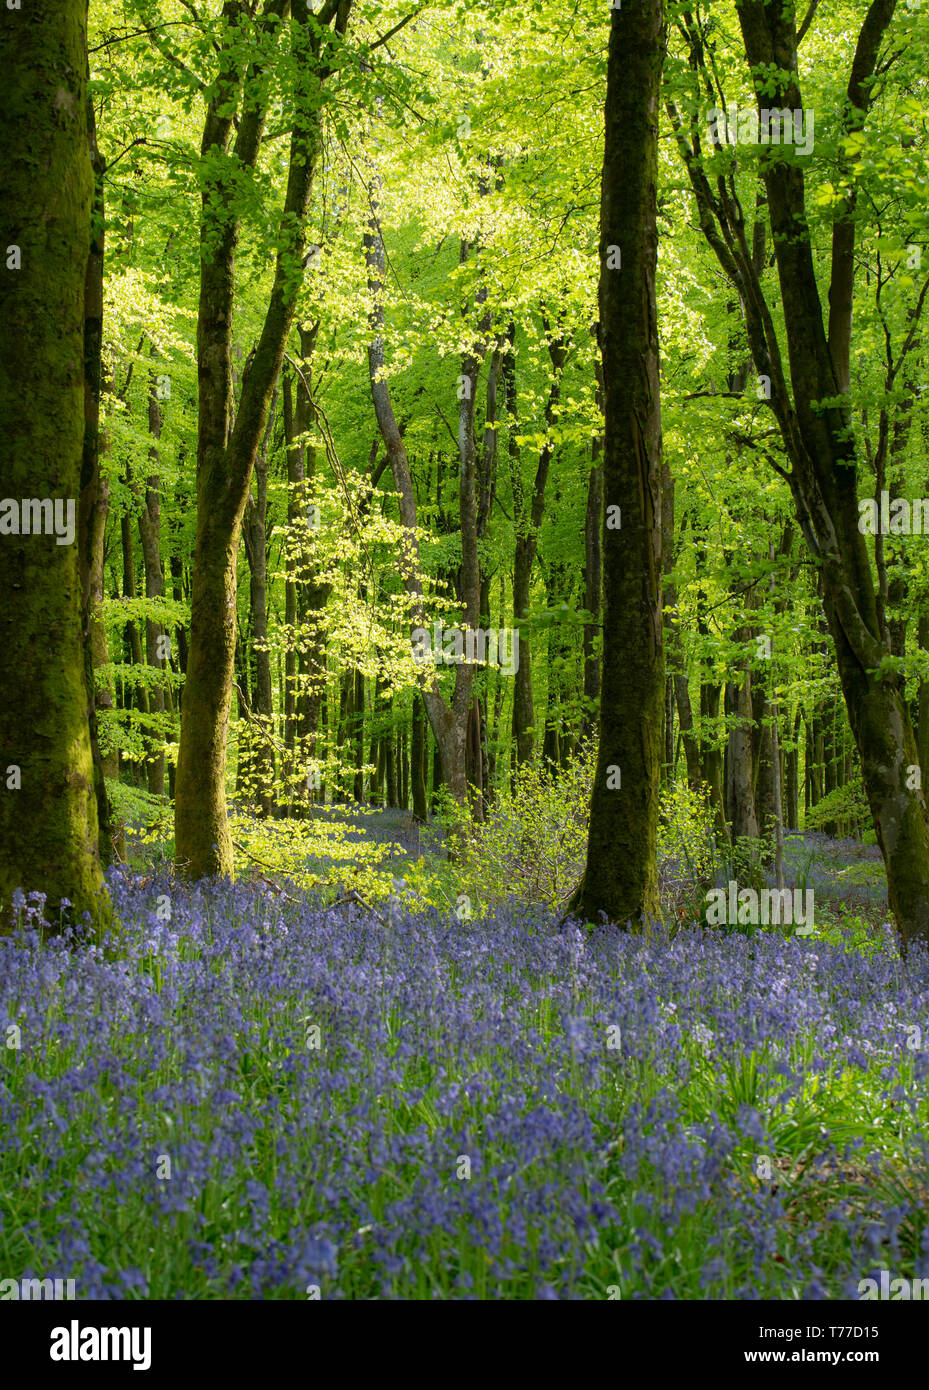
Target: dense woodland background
[[342, 302], [333, 327]]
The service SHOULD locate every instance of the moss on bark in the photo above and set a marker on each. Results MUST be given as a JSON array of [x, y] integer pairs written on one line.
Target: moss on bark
[[620, 878], [48, 824]]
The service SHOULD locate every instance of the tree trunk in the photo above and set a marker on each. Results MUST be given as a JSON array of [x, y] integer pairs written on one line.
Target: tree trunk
[[527, 521], [358, 737], [812, 409], [792, 791], [94, 503], [390, 755], [739, 766], [306, 595], [260, 729], [137, 693], [150, 535], [620, 878], [436, 774], [345, 732], [418, 759], [226, 451], [679, 693], [403, 762], [49, 824], [179, 593], [593, 574], [923, 639], [104, 697]]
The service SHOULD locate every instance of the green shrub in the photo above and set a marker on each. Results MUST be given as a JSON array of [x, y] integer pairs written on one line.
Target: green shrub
[[532, 846], [845, 807]]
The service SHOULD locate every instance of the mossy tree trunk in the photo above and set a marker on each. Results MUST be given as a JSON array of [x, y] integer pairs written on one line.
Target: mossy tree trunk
[[811, 404], [225, 450], [49, 832], [822, 455], [620, 878]]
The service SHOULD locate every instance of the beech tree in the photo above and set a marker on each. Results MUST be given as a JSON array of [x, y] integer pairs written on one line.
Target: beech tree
[[461, 299], [620, 878], [228, 442], [810, 400], [49, 837]]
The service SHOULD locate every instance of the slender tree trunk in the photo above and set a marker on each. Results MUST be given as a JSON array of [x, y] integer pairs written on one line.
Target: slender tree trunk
[[104, 693], [345, 731], [150, 537], [593, 575], [390, 756], [260, 730], [376, 753], [358, 737], [792, 778], [179, 593], [742, 793], [306, 595], [449, 724], [133, 641], [403, 760], [818, 437], [528, 519], [711, 756], [226, 451], [923, 726], [94, 503], [418, 759], [436, 775], [679, 693]]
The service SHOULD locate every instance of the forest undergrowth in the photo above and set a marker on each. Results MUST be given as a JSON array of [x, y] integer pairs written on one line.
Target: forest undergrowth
[[277, 1090]]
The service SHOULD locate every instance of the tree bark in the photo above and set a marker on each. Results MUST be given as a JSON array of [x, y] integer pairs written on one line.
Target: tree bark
[[49, 820], [593, 573], [817, 437], [255, 535], [620, 877], [418, 759], [95, 501], [792, 780], [527, 521], [138, 692], [403, 764], [358, 736], [680, 686], [226, 451], [306, 594], [150, 535], [923, 725]]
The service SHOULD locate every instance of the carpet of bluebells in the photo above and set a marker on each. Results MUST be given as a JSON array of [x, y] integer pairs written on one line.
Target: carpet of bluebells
[[259, 1098]]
